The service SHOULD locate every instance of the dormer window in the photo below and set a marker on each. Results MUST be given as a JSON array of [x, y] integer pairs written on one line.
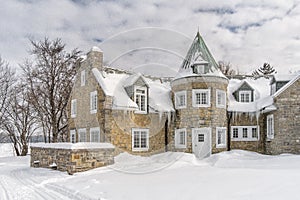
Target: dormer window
[[140, 98], [245, 96], [198, 69]]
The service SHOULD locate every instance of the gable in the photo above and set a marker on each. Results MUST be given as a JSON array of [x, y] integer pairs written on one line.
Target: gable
[[243, 87]]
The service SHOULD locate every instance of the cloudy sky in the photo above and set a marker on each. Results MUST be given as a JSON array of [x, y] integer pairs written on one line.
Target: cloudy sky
[[156, 34]]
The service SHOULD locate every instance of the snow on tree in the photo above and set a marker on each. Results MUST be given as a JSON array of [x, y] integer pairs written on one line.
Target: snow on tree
[[265, 70], [50, 79]]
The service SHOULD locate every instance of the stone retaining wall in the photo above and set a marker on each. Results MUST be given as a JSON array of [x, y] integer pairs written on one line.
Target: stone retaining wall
[[71, 160]]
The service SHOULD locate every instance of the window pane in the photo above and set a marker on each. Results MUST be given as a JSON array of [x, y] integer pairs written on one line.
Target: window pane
[[235, 133], [200, 137], [254, 132], [182, 138], [143, 139], [136, 139], [245, 132]]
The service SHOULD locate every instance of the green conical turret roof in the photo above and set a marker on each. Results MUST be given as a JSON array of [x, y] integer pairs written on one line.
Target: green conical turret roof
[[199, 53]]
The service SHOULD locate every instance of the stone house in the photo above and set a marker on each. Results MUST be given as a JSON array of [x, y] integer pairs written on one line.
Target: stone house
[[199, 111]]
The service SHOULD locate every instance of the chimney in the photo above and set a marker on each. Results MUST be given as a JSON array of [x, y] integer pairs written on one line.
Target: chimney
[[95, 58]]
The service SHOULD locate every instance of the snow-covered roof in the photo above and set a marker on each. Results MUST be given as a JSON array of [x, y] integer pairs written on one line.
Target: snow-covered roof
[[114, 85], [284, 77], [292, 81], [79, 145], [262, 96]]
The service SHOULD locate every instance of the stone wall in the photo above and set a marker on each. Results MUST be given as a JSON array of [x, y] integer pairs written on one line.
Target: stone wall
[[286, 121], [191, 117], [71, 160], [248, 119], [122, 122]]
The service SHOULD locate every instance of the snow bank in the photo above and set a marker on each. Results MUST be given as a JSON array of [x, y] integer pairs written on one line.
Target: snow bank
[[6, 149], [80, 145]]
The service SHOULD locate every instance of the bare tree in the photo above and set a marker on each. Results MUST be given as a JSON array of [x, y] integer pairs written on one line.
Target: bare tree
[[50, 80], [226, 68], [21, 119], [6, 82]]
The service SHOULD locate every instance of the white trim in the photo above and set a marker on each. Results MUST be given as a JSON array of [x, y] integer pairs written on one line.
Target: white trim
[[147, 139], [177, 99], [270, 127], [95, 129], [245, 92], [177, 138], [223, 96], [82, 78], [249, 133], [93, 104], [208, 130], [73, 108], [73, 133], [224, 144], [200, 91], [146, 99], [82, 131]]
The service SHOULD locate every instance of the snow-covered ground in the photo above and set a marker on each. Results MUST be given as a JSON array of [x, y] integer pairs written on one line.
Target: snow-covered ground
[[228, 175]]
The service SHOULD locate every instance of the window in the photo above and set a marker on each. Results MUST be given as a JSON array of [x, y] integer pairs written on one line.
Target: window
[[221, 137], [254, 133], [93, 102], [140, 98], [235, 132], [245, 96], [200, 137], [270, 127], [245, 133], [95, 134], [180, 99], [180, 138], [140, 139], [221, 99], [73, 108], [201, 98], [83, 78], [198, 69], [82, 135], [72, 136]]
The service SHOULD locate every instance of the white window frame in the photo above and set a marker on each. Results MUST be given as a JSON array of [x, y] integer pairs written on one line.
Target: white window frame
[[72, 136], [200, 91], [223, 143], [93, 102], [73, 108], [80, 137], [245, 92], [140, 130], [138, 96], [82, 78], [199, 69], [270, 126], [178, 138], [93, 130], [240, 133], [223, 99], [178, 96]]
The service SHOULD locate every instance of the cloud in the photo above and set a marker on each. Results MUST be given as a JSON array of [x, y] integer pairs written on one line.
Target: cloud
[[246, 33]]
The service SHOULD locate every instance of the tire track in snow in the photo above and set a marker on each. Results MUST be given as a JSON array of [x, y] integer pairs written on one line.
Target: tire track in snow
[[51, 190], [3, 189]]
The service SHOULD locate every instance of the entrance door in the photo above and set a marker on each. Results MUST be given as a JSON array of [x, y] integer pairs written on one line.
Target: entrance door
[[201, 139]]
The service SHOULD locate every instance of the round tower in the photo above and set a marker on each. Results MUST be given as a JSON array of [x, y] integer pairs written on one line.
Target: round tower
[[200, 97]]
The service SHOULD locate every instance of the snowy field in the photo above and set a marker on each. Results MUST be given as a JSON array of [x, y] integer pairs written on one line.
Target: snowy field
[[229, 175]]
